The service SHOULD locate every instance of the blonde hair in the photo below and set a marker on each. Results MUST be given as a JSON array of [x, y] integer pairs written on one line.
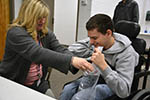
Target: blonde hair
[[30, 12]]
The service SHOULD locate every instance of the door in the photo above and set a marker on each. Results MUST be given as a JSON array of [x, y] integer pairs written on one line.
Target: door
[[4, 21], [50, 3]]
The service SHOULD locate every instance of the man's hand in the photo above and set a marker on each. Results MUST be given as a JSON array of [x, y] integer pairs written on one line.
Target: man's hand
[[99, 59], [82, 64]]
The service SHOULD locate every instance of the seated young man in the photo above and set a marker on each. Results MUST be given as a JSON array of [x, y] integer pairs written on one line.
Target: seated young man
[[116, 61]]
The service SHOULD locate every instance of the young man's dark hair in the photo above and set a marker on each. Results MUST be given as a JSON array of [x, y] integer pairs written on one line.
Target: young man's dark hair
[[100, 21]]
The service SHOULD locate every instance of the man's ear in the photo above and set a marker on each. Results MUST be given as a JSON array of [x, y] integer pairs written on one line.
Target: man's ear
[[109, 32]]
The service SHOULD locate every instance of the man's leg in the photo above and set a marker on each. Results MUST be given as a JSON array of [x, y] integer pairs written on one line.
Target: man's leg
[[69, 90], [102, 92]]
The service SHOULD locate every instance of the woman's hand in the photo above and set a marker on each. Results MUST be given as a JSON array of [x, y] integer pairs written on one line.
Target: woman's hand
[[82, 64]]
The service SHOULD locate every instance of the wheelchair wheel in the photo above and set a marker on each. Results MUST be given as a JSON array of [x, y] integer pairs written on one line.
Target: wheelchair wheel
[[142, 95]]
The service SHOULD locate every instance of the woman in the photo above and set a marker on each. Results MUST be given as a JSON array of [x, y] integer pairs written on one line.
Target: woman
[[31, 48]]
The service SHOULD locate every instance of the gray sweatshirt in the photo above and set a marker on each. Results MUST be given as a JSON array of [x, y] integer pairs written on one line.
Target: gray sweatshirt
[[124, 58], [121, 55]]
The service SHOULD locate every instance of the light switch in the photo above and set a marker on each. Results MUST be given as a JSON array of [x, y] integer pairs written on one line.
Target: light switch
[[84, 2]]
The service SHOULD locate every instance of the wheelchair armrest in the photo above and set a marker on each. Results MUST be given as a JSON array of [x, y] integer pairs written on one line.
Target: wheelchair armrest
[[141, 74]]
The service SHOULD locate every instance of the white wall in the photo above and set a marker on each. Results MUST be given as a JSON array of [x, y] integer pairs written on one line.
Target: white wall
[[17, 4], [65, 19], [84, 15], [103, 6], [144, 4]]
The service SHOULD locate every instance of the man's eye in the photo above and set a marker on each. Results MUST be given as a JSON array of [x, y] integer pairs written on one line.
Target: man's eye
[[94, 38]]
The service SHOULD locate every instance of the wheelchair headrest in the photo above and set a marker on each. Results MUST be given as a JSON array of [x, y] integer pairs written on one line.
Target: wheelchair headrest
[[128, 28], [131, 30], [139, 45]]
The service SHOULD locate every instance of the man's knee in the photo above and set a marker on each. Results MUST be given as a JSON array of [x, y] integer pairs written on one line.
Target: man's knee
[[70, 87]]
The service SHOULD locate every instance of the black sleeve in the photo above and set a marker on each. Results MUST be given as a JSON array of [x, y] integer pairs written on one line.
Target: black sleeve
[[115, 15], [135, 12]]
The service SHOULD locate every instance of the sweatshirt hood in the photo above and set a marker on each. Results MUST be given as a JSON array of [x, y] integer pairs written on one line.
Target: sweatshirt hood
[[121, 43]]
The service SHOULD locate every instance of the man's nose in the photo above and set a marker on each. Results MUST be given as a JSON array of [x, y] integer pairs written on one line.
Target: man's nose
[[91, 42]]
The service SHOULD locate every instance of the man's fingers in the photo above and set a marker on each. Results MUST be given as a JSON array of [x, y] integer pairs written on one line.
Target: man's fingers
[[96, 50]]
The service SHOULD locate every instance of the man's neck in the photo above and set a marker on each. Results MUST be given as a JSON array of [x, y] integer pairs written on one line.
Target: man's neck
[[110, 43]]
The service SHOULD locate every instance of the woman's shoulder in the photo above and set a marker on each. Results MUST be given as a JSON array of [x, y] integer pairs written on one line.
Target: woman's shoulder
[[16, 31]]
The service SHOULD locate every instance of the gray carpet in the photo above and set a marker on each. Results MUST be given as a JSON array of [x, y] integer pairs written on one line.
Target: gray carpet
[[58, 80]]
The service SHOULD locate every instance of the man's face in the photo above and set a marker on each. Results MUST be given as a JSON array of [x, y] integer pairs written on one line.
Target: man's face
[[40, 23], [97, 38]]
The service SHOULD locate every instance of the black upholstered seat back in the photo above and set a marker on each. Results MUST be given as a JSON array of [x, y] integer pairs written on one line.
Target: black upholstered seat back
[[128, 28], [131, 30]]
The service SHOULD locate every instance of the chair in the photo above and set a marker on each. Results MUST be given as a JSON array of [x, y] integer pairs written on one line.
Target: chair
[[49, 70], [131, 30], [147, 52]]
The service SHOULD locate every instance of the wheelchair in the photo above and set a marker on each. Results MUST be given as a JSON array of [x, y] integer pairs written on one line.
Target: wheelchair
[[142, 95], [131, 30]]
